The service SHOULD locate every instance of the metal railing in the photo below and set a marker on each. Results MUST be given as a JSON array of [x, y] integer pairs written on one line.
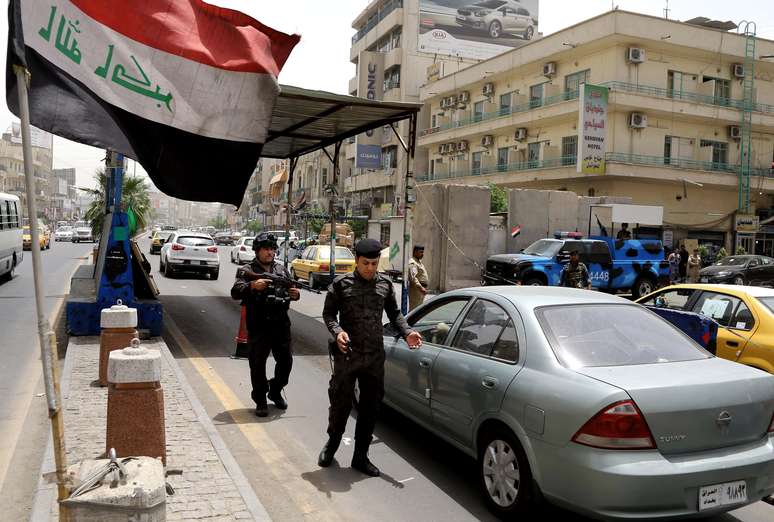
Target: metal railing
[[660, 92], [682, 163], [563, 161], [381, 14]]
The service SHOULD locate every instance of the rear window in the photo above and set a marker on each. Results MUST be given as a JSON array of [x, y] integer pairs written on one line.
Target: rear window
[[324, 252], [768, 302], [195, 241], [248, 242], [614, 335]]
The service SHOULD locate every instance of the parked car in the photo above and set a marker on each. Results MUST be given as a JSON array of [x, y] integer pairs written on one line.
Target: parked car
[[744, 314], [614, 265], [44, 238], [224, 238], [82, 232], [189, 252], [740, 270], [158, 240], [280, 235], [243, 253], [584, 399], [498, 17], [63, 233], [314, 264]]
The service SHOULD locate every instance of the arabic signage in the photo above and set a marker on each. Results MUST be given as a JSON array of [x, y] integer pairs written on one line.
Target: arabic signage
[[370, 76], [592, 129], [477, 29], [747, 223]]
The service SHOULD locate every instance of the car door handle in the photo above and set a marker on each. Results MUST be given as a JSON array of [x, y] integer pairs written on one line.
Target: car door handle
[[425, 363], [489, 382], [732, 343]]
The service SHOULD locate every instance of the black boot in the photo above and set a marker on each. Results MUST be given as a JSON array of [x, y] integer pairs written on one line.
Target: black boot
[[275, 396], [261, 409], [360, 461], [329, 450]]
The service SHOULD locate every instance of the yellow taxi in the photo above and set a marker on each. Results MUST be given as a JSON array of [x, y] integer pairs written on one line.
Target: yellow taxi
[[158, 239], [745, 315], [44, 237], [314, 266]]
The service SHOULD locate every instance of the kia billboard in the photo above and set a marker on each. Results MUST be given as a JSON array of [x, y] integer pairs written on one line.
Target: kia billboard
[[476, 29]]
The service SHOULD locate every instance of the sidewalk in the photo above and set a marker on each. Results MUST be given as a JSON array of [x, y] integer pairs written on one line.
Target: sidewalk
[[211, 485]]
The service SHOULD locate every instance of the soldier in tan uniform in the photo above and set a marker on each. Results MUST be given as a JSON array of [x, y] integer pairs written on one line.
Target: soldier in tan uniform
[[418, 280]]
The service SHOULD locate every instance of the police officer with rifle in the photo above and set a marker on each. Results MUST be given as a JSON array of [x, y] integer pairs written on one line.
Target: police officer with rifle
[[265, 289]]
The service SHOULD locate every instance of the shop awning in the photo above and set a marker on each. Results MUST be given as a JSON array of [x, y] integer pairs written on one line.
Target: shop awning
[[305, 120]]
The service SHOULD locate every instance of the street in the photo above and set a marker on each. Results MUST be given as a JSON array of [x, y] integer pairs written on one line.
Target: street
[[423, 478]]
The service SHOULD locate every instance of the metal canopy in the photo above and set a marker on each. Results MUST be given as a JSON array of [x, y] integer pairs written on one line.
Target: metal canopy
[[304, 120]]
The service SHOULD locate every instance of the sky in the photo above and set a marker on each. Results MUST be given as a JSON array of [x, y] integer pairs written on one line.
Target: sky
[[321, 59]]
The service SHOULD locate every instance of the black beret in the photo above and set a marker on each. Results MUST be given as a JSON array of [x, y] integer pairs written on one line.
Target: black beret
[[369, 248]]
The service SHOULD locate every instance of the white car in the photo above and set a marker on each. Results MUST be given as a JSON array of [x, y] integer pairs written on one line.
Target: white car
[[82, 232], [242, 252], [64, 233], [189, 252]]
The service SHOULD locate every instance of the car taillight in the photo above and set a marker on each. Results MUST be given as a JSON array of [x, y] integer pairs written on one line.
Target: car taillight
[[175, 246], [214, 250], [618, 426], [325, 268], [243, 248]]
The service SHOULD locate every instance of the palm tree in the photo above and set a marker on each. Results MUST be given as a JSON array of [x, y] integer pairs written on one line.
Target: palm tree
[[134, 196]]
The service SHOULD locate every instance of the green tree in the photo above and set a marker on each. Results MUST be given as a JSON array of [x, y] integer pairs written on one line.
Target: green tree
[[219, 223], [740, 250], [721, 254], [134, 196], [498, 199], [254, 226], [358, 227]]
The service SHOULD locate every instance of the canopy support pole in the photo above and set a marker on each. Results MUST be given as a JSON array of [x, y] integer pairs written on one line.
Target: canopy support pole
[[409, 176], [293, 163], [332, 204]]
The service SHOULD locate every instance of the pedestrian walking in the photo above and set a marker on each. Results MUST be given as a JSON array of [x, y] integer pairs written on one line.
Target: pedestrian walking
[[694, 266], [575, 274], [353, 314], [268, 324], [418, 279], [674, 266], [683, 267]]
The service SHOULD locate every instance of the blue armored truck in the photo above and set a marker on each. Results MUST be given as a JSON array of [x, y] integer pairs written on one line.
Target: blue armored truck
[[615, 265]]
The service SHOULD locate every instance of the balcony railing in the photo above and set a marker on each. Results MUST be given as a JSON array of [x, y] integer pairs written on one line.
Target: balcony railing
[[681, 163], [385, 10], [501, 113], [564, 161]]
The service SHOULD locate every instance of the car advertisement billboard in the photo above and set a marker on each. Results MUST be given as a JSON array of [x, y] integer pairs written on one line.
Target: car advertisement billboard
[[477, 29]]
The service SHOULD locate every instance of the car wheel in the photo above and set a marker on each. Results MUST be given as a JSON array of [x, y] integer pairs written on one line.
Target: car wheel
[[504, 474], [168, 272], [739, 280], [643, 286], [533, 281], [214, 275], [495, 29], [12, 272], [232, 257], [529, 33], [311, 281]]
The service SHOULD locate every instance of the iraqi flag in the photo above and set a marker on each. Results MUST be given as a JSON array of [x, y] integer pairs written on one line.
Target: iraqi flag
[[515, 231], [184, 87]]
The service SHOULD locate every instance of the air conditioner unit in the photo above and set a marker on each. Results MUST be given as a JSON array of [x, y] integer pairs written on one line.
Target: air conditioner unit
[[443, 103], [462, 146], [638, 120], [521, 134], [464, 97], [737, 70], [735, 132], [487, 141], [549, 69], [635, 55], [488, 89]]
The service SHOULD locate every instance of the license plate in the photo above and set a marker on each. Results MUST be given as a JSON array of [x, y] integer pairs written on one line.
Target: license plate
[[202, 262], [722, 495], [704, 280]]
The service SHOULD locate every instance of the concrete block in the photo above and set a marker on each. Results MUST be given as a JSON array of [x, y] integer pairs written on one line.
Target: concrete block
[[427, 232], [563, 212], [133, 365], [118, 316], [468, 226], [530, 210]]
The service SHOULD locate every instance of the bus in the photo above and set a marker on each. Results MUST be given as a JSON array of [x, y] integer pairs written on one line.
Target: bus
[[10, 235]]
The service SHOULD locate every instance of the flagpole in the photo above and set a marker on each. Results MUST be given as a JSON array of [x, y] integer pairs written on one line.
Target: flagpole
[[46, 336]]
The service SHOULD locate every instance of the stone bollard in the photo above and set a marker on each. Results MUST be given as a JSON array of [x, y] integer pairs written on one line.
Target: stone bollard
[[135, 416], [119, 327]]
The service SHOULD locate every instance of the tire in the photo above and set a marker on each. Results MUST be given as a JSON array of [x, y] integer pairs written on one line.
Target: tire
[[168, 272], [504, 474], [8, 276], [739, 280], [161, 265], [643, 286], [529, 33], [534, 281], [232, 258], [495, 29], [214, 275]]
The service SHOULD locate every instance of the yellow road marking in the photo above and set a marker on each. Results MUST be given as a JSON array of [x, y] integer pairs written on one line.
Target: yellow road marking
[[303, 494]]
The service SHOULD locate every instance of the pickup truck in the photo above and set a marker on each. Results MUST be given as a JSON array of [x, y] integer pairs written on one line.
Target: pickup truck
[[614, 265]]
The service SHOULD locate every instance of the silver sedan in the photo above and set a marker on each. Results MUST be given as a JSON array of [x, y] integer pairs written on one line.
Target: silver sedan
[[587, 400]]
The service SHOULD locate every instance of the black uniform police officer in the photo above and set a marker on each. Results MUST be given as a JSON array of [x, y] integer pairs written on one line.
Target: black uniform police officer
[[268, 324], [353, 314]]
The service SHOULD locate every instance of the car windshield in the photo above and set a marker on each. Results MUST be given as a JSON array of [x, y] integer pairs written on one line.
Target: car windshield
[[733, 261], [613, 335], [324, 252], [64, 229], [195, 241], [544, 248]]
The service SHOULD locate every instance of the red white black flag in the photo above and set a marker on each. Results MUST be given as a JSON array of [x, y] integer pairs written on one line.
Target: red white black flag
[[184, 87]]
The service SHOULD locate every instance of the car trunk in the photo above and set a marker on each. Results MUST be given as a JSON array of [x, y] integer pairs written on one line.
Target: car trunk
[[696, 405], [196, 250]]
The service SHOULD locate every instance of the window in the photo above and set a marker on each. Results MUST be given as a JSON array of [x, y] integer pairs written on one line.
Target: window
[[324, 252], [717, 306], [478, 111], [390, 157], [194, 241], [5, 218], [507, 346], [324, 176], [434, 121], [392, 78], [475, 163], [533, 154], [432, 169], [384, 234], [613, 335], [743, 318], [481, 328], [502, 159], [719, 153], [311, 253], [434, 324], [505, 104], [675, 84], [672, 299], [573, 81], [536, 95], [676, 149], [569, 150], [599, 253], [523, 12]]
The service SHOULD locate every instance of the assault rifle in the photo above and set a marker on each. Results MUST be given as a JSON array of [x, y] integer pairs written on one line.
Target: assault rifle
[[278, 281]]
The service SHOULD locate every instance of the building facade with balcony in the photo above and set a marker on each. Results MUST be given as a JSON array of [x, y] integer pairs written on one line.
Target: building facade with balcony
[[12, 178], [673, 133]]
